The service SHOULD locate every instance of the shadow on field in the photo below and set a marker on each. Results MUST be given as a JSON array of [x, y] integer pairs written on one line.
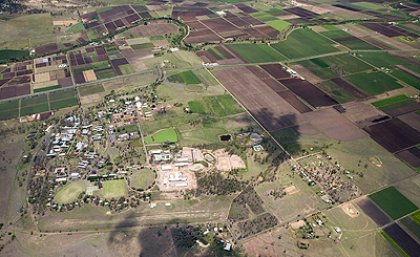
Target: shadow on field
[[284, 128]]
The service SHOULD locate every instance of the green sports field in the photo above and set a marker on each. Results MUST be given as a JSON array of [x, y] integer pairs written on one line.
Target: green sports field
[[162, 136], [142, 179], [256, 53], [186, 77], [114, 188], [393, 203], [70, 192]]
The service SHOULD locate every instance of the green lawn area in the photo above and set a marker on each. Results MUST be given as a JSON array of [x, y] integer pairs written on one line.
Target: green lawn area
[[70, 192], [222, 105], [196, 106], [256, 53], [296, 44], [9, 109], [278, 24], [142, 179], [373, 83], [114, 188], [162, 136], [127, 129], [393, 203], [186, 77]]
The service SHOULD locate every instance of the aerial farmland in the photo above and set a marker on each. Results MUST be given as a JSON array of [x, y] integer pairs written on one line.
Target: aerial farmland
[[210, 128]]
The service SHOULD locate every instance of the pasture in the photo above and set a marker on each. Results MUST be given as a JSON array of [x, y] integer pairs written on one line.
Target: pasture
[[222, 105], [196, 107], [186, 77], [393, 203], [279, 24], [9, 109]]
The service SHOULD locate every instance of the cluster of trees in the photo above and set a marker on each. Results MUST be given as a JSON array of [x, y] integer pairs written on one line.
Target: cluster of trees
[[12, 6]]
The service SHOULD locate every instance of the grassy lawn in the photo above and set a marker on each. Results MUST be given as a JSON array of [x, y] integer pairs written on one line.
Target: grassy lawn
[[162, 136], [393, 202], [373, 83], [222, 105], [256, 53], [279, 24], [196, 106], [186, 77], [114, 188], [296, 45], [142, 179], [70, 192]]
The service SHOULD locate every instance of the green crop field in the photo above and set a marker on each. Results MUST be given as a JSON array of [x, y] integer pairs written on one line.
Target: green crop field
[[393, 203], [70, 192], [354, 44], [222, 105], [63, 98], [394, 244], [186, 77], [263, 16], [34, 104], [373, 83], [391, 101], [196, 107], [142, 179], [406, 78], [336, 92], [114, 188], [37, 90], [416, 217], [279, 24], [6, 55], [386, 60], [142, 46], [162, 136], [296, 44], [256, 53], [9, 109], [335, 66]]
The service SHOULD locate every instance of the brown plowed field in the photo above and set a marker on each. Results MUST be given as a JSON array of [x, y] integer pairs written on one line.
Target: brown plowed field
[[308, 92], [349, 88], [394, 135], [270, 109]]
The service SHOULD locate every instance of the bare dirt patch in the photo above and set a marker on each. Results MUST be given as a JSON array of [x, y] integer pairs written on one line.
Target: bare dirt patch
[[261, 245], [349, 209]]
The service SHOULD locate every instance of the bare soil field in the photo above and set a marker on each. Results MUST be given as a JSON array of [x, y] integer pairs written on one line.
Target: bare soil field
[[361, 114], [334, 125], [258, 98], [154, 29], [261, 245]]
